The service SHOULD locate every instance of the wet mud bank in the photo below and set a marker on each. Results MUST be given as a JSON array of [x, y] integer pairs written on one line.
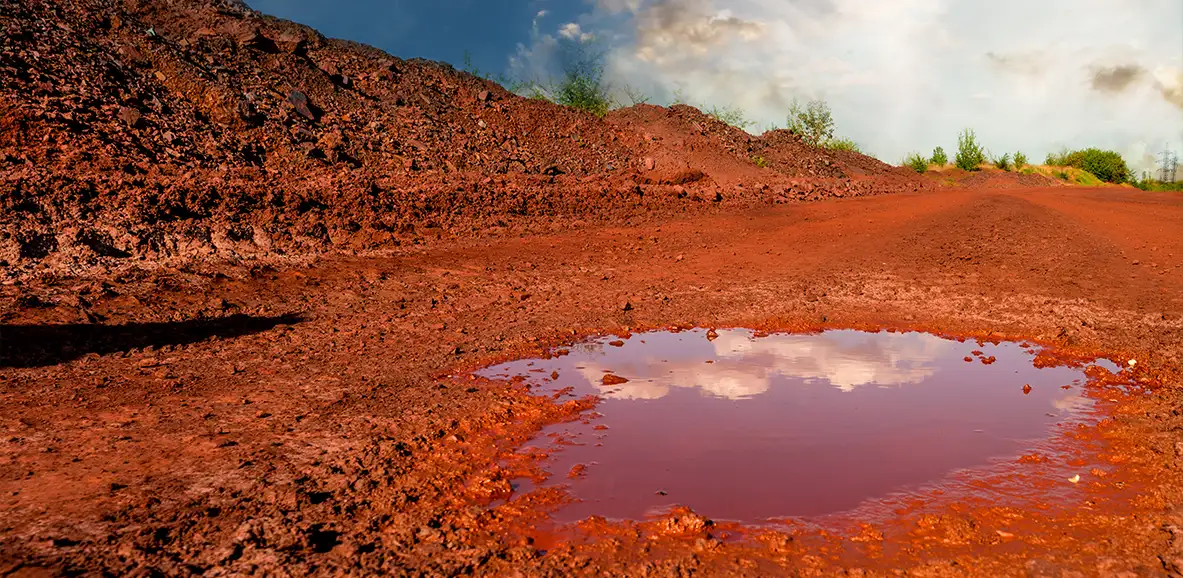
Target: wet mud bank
[[569, 494]]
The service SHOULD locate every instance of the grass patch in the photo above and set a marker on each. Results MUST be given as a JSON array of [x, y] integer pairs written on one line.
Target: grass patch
[[1068, 174]]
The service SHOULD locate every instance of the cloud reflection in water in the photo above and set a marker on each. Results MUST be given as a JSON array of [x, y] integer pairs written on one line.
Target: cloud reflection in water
[[743, 367]]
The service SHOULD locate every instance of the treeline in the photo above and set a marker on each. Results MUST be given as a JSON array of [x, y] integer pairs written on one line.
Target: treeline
[[1102, 165]]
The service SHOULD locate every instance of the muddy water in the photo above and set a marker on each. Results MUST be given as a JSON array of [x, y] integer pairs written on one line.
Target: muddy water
[[749, 428]]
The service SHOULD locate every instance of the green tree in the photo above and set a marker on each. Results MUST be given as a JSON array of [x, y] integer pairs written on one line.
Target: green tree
[[939, 158], [1020, 160], [970, 155], [814, 122]]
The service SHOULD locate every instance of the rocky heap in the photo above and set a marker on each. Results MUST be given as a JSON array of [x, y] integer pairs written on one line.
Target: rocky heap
[[192, 128]]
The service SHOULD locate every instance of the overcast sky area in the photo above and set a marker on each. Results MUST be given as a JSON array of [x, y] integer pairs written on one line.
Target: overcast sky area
[[900, 76]]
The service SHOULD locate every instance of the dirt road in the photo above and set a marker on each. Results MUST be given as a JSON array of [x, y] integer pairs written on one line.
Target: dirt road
[[295, 420]]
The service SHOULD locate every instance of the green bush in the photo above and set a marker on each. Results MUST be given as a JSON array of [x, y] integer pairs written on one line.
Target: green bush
[[1059, 159], [842, 144], [581, 88], [1002, 162], [731, 115], [939, 158], [969, 153], [916, 162], [1105, 165], [1020, 160], [1108, 166]]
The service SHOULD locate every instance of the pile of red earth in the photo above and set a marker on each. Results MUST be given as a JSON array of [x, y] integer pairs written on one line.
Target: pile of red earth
[[132, 129]]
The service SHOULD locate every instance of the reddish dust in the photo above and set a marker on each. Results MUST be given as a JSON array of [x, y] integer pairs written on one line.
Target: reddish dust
[[747, 428]]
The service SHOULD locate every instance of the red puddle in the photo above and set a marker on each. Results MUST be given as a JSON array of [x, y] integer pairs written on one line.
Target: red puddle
[[747, 429]]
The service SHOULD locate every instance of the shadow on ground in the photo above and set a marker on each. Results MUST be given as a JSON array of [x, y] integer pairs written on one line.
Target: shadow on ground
[[40, 345]]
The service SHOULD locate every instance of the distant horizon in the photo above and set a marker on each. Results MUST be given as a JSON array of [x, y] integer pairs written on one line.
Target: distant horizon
[[939, 67]]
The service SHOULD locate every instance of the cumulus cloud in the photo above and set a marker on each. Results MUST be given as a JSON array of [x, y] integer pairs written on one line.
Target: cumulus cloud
[[744, 368], [909, 74], [572, 31]]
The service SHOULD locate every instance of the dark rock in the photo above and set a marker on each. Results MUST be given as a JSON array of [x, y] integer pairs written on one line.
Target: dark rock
[[299, 102]]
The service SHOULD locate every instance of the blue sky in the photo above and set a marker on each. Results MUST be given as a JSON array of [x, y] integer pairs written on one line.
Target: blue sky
[[900, 76], [438, 30]]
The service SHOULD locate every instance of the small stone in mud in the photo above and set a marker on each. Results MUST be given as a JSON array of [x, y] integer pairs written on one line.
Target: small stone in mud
[[617, 343], [969, 359], [712, 335], [130, 116], [554, 375], [610, 379], [1026, 389], [577, 470]]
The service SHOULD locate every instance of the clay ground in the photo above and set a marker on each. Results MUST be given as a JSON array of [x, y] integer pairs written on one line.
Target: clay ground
[[293, 419]]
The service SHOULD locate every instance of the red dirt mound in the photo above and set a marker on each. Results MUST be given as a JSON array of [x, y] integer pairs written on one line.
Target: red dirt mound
[[133, 129]]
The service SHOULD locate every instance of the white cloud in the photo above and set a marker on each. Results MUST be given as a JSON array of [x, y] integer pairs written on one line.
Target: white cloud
[[744, 367], [572, 31], [909, 74]]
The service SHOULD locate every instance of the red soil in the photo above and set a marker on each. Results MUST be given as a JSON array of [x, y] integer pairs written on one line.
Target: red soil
[[196, 377]]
